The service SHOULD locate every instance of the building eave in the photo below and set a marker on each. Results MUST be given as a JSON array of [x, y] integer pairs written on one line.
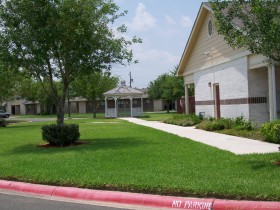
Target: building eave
[[204, 8]]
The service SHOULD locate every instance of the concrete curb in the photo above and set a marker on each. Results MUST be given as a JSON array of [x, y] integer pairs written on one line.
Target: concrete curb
[[136, 198]]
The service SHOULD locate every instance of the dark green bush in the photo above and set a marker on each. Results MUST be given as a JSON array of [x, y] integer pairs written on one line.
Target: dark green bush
[[271, 131], [237, 124], [242, 124], [227, 122], [3, 122], [61, 135], [209, 125]]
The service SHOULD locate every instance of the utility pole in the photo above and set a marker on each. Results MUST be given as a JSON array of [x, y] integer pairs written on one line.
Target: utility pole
[[130, 79]]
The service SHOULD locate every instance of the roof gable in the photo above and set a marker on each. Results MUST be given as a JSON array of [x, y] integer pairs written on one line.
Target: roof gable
[[204, 9]]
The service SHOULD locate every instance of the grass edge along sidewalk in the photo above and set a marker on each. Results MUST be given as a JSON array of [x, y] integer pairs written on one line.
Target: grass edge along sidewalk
[[138, 199], [234, 144]]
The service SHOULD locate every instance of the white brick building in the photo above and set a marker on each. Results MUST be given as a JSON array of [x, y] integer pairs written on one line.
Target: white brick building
[[228, 83]]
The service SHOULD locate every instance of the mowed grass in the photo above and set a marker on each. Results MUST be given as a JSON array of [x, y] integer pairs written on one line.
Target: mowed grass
[[128, 157], [158, 116]]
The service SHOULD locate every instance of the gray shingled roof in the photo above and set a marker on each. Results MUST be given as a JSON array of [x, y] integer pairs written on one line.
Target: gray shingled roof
[[123, 90]]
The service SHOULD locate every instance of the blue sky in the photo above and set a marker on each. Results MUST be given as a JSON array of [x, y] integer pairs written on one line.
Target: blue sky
[[164, 26]]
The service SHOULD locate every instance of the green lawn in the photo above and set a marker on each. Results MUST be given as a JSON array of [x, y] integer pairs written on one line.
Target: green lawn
[[154, 116], [124, 156], [99, 116]]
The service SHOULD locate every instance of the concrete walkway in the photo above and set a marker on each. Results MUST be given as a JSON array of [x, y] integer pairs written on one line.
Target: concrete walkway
[[236, 145]]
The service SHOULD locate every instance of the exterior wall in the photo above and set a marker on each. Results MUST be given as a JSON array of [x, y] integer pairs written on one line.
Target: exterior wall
[[258, 87], [16, 107], [31, 109], [9, 107], [256, 61], [233, 83], [158, 105], [148, 105], [219, 51], [82, 107], [39, 108]]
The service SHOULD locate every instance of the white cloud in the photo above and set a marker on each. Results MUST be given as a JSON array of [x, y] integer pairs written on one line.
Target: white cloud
[[143, 20], [186, 22], [169, 20]]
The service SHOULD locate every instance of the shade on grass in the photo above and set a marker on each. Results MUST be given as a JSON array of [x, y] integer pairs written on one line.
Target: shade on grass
[[124, 156]]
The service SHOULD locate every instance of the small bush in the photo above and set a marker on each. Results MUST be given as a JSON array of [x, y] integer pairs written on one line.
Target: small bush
[[209, 125], [242, 124], [237, 124], [3, 122], [61, 135], [184, 120], [271, 131]]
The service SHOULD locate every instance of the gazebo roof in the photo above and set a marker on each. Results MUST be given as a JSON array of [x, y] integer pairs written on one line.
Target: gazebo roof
[[123, 91]]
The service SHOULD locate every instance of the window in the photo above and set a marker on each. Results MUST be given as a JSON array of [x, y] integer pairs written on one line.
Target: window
[[210, 27]]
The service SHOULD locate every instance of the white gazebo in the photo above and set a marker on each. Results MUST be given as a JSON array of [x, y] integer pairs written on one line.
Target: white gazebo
[[123, 101]]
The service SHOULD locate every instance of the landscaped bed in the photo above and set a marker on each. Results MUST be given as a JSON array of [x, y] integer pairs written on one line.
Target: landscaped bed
[[128, 157]]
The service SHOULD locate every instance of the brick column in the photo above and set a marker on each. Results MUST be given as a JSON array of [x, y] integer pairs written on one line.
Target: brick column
[[187, 99]]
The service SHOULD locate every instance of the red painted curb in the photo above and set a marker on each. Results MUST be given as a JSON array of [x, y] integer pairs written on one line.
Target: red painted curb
[[5, 184], [134, 198], [31, 188], [138, 199], [245, 205]]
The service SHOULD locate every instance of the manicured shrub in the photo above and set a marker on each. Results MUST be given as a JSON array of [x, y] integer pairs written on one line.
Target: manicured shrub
[[237, 124], [209, 125], [61, 135], [227, 122], [243, 124], [3, 122], [184, 120], [271, 131]]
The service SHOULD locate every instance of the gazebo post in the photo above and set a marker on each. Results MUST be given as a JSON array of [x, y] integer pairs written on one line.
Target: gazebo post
[[142, 104], [106, 107], [131, 106], [116, 114]]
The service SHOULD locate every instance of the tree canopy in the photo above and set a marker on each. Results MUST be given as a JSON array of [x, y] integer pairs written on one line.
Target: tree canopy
[[58, 40], [7, 85], [254, 25], [92, 87], [167, 87]]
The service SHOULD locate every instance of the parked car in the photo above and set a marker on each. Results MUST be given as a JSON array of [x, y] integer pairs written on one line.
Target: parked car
[[4, 114]]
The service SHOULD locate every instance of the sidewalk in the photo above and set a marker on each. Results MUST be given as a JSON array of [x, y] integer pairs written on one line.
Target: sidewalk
[[234, 144]]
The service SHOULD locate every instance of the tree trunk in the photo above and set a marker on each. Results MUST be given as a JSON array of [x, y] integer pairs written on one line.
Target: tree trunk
[[94, 108], [69, 104], [168, 105], [60, 110]]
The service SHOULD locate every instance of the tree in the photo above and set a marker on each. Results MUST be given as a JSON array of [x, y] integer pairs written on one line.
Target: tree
[[57, 40], [7, 85], [32, 90], [254, 25], [93, 86], [167, 87]]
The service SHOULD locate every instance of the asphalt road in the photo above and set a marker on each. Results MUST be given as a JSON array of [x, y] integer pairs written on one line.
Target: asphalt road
[[14, 201]]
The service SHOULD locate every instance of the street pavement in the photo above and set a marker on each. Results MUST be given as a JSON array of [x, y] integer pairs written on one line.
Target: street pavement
[[18, 201], [234, 144]]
